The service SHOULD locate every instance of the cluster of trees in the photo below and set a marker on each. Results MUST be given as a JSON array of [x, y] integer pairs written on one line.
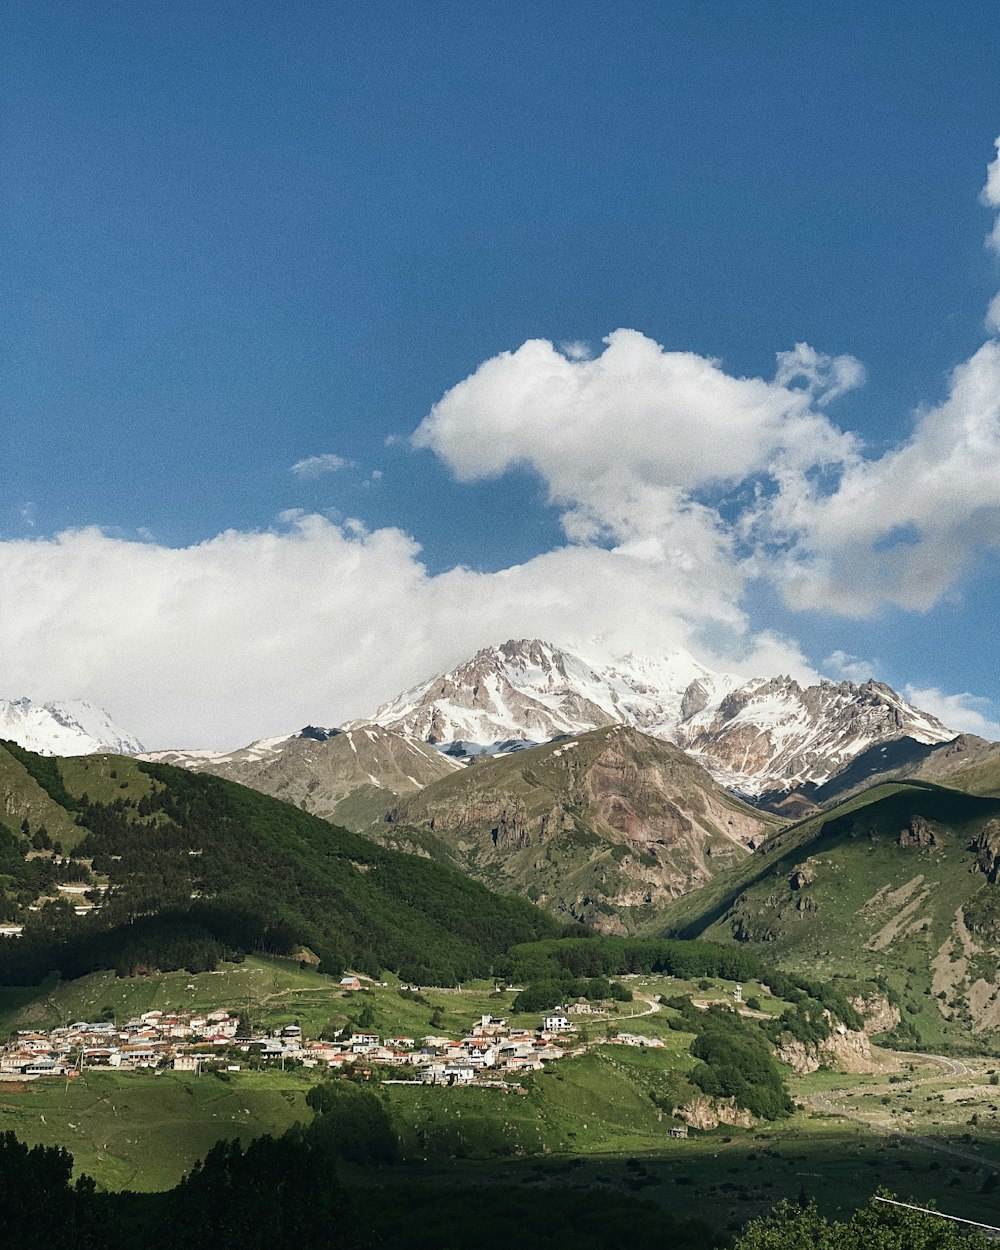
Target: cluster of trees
[[22, 880], [542, 995], [878, 1226], [593, 956], [200, 869], [38, 1195], [735, 1059]]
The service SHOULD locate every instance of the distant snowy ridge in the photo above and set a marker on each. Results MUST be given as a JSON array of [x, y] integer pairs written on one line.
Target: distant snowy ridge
[[69, 727], [753, 736]]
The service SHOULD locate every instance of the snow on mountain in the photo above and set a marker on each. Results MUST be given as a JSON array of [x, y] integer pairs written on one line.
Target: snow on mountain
[[532, 690], [753, 736], [71, 727]]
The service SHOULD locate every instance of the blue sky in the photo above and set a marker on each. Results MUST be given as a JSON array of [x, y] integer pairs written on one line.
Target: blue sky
[[239, 237]]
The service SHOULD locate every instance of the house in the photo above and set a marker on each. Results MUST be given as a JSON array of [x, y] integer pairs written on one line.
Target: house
[[459, 1073], [185, 1063], [350, 983], [679, 1131], [555, 1024], [489, 1026]]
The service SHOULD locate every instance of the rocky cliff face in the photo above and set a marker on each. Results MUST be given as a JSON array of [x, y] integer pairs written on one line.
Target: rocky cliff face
[[845, 1050], [708, 1113]]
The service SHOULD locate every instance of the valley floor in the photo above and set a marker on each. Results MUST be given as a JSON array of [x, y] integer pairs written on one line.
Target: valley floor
[[926, 1127]]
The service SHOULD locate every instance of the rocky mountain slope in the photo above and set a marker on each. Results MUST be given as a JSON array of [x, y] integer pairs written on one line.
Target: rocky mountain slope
[[70, 727], [348, 777], [754, 736], [965, 763], [603, 828]]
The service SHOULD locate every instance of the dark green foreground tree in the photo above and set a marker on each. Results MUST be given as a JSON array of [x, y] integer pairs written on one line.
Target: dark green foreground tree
[[41, 1205], [875, 1227]]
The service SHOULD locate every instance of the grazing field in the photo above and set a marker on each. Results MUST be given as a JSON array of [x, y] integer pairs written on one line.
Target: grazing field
[[143, 1131]]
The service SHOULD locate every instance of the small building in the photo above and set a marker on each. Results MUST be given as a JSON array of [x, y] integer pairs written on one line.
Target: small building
[[679, 1131], [185, 1063], [459, 1073], [350, 983], [555, 1024]]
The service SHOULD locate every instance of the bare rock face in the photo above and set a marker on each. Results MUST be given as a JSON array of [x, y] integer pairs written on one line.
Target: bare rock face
[[708, 1113], [878, 1014], [987, 848], [919, 832], [845, 1050]]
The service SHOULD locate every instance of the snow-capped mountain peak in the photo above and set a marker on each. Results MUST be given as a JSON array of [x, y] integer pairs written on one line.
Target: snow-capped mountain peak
[[753, 735], [69, 727]]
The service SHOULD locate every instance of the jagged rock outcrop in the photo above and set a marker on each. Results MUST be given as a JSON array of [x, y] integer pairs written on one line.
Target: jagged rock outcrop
[[919, 832], [708, 1113], [878, 1014], [986, 846], [845, 1050]]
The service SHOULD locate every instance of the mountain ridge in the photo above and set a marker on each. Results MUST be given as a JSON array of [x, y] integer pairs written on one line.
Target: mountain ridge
[[64, 727], [753, 735]]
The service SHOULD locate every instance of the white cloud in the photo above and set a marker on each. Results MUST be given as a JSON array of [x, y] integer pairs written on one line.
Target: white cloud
[[825, 377], [900, 529], [575, 349], [627, 442], [841, 665], [966, 713], [316, 466], [990, 195], [249, 634], [991, 198]]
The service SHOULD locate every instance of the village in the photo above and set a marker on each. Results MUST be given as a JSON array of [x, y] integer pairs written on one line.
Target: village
[[223, 1040]]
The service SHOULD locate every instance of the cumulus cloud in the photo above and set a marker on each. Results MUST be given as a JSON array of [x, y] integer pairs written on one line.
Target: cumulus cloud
[[575, 349], [966, 713], [249, 634], [991, 196], [901, 528], [824, 377], [316, 466], [629, 442], [841, 665]]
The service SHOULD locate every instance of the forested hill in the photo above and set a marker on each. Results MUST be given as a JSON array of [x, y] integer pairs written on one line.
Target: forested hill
[[192, 869]]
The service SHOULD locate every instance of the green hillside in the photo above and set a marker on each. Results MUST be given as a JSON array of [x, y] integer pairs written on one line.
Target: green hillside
[[898, 885], [196, 868]]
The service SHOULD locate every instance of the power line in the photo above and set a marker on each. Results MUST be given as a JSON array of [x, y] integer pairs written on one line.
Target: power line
[[940, 1214]]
